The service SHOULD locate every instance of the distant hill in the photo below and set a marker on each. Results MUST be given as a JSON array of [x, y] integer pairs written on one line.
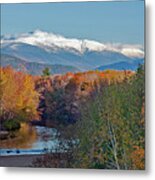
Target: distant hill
[[34, 67], [133, 65]]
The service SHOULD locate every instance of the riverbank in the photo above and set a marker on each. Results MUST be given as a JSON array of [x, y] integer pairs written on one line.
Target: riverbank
[[52, 160], [18, 160]]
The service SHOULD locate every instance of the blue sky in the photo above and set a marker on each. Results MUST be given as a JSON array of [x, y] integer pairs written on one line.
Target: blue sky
[[113, 22]]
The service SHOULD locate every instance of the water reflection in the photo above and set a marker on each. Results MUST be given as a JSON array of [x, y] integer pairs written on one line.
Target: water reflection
[[24, 138], [30, 140]]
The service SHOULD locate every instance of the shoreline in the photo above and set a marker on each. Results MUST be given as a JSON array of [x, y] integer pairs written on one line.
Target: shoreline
[[18, 160]]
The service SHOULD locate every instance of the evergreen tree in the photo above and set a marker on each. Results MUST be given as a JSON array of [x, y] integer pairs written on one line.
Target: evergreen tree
[[46, 72]]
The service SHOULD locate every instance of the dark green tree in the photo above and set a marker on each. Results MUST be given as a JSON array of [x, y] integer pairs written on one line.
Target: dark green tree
[[46, 72], [111, 130]]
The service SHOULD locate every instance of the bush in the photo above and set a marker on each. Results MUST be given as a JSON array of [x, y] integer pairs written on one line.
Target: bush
[[12, 125]]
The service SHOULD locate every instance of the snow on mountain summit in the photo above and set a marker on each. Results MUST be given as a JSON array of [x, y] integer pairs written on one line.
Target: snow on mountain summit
[[55, 42]]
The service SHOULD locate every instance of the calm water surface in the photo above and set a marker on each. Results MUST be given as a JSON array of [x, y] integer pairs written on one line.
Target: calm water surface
[[31, 140]]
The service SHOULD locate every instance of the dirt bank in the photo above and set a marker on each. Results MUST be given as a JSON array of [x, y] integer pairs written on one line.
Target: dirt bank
[[18, 160]]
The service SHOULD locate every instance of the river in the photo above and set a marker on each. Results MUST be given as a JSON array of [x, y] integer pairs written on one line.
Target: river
[[30, 140]]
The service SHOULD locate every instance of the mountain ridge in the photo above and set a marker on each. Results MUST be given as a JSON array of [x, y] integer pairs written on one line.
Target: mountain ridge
[[52, 49], [54, 42], [33, 67], [122, 66]]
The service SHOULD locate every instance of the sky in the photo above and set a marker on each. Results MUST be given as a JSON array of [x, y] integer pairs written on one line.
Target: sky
[[107, 22]]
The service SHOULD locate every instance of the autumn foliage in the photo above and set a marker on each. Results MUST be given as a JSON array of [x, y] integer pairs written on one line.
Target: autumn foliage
[[138, 157], [18, 97], [111, 130], [61, 95], [104, 110]]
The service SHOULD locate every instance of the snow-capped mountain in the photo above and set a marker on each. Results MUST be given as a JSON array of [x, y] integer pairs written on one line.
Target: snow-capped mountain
[[84, 54], [54, 42]]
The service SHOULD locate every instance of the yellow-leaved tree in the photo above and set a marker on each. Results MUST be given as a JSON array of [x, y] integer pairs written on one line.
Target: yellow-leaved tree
[[18, 97]]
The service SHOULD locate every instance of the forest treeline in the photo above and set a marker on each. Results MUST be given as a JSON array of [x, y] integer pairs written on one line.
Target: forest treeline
[[101, 113], [111, 131]]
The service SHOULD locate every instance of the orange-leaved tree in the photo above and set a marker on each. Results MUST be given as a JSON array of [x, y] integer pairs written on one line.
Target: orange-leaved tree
[[18, 97]]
